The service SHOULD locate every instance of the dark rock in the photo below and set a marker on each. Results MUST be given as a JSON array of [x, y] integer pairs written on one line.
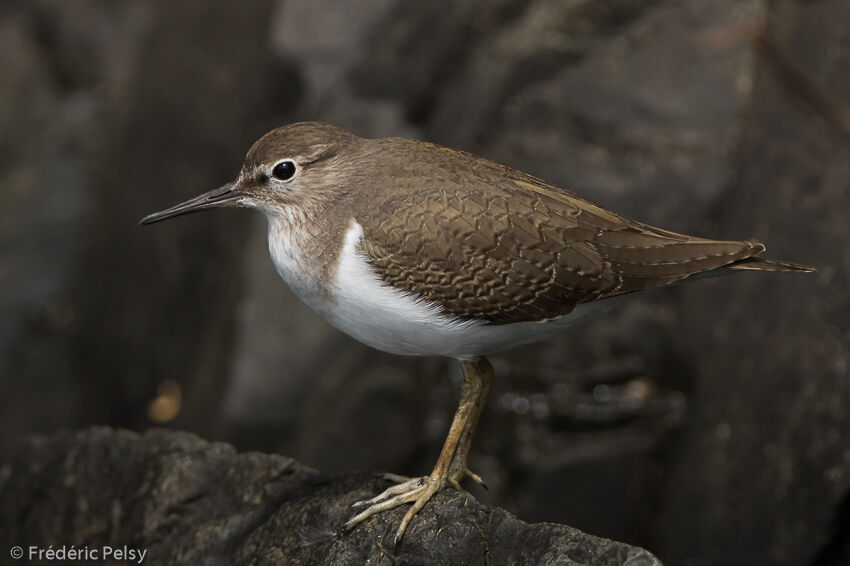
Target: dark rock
[[98, 142], [765, 462], [188, 501]]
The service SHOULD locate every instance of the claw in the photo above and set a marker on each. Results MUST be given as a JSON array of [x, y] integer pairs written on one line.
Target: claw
[[476, 478]]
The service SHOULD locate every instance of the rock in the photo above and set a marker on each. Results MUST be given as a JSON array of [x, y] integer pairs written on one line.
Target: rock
[[107, 124], [189, 501], [766, 460]]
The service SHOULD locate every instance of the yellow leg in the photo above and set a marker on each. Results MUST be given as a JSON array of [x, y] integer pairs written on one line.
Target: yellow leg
[[451, 466], [483, 376]]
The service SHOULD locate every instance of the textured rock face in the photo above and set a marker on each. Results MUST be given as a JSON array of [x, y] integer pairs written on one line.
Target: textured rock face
[[771, 452], [187, 501], [724, 400]]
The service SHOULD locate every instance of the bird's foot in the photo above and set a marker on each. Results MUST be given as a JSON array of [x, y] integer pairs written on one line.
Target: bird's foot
[[409, 490], [417, 491]]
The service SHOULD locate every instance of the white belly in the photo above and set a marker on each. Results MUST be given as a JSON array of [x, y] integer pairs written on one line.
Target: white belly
[[391, 320]]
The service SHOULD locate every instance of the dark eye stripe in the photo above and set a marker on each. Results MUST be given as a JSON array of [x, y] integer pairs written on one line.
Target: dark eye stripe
[[284, 170]]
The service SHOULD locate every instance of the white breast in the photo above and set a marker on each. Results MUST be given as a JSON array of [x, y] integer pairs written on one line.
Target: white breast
[[388, 319], [291, 263]]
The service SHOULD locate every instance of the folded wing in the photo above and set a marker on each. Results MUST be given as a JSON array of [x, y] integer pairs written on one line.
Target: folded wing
[[525, 250]]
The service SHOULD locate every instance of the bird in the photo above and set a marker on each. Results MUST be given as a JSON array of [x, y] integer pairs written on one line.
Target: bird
[[417, 249]]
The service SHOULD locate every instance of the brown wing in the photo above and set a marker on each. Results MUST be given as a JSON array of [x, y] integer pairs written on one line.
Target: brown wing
[[520, 249]]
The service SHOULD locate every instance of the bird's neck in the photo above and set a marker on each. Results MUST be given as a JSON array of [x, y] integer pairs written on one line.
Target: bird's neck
[[302, 250]]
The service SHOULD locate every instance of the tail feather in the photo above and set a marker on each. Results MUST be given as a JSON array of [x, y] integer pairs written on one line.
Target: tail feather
[[754, 263], [759, 264]]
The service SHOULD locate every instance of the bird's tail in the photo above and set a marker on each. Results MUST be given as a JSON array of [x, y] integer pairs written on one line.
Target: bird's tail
[[754, 263], [759, 264]]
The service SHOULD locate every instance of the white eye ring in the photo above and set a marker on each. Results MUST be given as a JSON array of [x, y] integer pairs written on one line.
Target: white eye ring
[[284, 170]]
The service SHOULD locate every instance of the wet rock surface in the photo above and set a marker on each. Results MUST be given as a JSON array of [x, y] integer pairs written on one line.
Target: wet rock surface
[[188, 501]]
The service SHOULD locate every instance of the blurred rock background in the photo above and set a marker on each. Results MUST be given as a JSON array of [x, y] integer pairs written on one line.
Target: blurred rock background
[[718, 410]]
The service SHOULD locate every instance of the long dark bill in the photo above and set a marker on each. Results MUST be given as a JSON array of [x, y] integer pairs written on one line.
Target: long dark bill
[[222, 196]]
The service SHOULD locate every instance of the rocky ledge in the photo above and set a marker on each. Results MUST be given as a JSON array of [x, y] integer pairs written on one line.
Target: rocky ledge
[[183, 500]]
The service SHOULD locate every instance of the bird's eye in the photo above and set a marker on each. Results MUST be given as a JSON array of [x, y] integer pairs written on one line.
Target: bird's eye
[[284, 170]]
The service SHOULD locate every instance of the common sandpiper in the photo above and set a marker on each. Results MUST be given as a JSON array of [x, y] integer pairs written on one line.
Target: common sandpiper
[[421, 250]]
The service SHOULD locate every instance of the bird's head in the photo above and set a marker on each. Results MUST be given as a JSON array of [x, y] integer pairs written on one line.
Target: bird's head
[[295, 165]]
